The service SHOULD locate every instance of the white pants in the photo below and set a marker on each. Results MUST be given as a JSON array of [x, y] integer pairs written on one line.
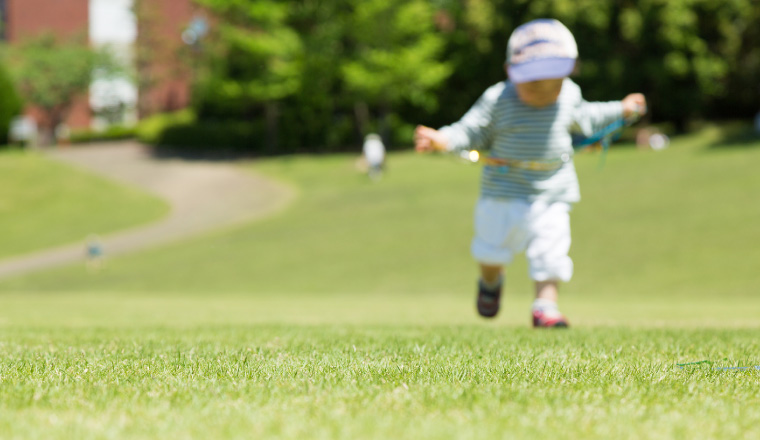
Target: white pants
[[504, 228]]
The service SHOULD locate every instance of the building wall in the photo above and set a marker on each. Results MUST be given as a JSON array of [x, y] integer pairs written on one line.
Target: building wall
[[3, 19], [69, 18], [165, 75], [160, 24], [31, 17]]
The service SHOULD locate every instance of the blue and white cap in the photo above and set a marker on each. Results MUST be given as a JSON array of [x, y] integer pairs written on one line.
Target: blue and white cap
[[540, 49]]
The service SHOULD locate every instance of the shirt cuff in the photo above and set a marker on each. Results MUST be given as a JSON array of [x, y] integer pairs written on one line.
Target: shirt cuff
[[454, 136]]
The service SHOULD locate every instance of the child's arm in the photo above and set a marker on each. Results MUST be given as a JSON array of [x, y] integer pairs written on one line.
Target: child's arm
[[473, 131], [634, 105], [591, 117], [428, 139]]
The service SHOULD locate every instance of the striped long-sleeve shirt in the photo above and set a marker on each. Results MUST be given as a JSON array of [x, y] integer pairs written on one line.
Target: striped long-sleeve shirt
[[501, 123]]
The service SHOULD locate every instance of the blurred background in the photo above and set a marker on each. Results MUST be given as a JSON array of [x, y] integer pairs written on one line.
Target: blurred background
[[660, 237], [268, 77], [191, 246]]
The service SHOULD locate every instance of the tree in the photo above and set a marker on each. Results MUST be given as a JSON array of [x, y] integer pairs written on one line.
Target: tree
[[155, 58], [314, 75], [396, 58], [686, 55], [320, 109], [476, 33], [255, 59], [51, 74], [10, 104], [693, 58]]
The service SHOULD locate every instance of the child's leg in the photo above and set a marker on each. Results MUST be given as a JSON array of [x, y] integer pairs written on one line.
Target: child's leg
[[549, 263], [545, 310], [490, 274], [489, 290], [547, 290], [498, 237]]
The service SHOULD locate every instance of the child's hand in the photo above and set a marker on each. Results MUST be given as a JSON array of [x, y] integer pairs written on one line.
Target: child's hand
[[634, 105], [428, 139]]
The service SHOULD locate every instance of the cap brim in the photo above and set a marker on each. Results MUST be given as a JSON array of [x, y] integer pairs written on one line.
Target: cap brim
[[548, 68]]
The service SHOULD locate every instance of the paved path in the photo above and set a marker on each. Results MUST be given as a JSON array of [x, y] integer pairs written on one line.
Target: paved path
[[203, 196]]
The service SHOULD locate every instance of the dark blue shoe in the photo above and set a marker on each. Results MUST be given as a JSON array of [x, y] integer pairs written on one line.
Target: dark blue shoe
[[488, 300]]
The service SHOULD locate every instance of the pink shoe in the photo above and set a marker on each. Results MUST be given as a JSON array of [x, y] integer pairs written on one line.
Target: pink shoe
[[549, 318]]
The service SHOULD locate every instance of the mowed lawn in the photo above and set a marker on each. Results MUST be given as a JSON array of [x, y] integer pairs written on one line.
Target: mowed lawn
[[45, 203], [351, 315], [377, 382]]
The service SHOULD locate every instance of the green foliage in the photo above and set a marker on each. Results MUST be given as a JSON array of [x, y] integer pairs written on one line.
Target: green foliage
[[692, 58], [149, 129], [314, 59], [256, 56], [321, 74], [183, 131], [114, 132], [475, 32], [683, 54], [397, 54], [51, 73], [215, 137], [10, 104]]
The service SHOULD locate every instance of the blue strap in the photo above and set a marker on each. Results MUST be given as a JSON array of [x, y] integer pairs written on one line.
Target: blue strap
[[604, 137], [609, 132]]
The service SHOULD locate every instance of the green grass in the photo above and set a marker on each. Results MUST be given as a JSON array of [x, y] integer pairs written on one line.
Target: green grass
[[445, 382], [351, 315], [45, 203], [653, 231]]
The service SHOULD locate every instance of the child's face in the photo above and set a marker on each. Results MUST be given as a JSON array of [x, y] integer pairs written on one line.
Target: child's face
[[539, 93]]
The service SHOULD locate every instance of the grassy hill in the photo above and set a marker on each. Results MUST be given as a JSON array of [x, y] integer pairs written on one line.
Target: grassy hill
[[658, 236], [45, 203], [351, 315]]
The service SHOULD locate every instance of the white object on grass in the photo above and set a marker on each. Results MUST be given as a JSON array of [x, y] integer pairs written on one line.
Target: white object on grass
[[374, 154], [658, 141], [23, 129]]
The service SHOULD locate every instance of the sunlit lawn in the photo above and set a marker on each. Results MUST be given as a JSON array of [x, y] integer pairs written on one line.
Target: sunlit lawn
[[45, 203], [351, 315], [379, 382]]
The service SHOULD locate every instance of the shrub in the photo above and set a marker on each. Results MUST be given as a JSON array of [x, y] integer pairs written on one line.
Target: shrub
[[112, 133], [149, 129], [10, 104], [215, 137]]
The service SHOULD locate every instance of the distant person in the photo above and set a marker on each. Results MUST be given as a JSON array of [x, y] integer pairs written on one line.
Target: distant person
[[94, 253], [658, 141], [374, 154], [527, 122], [23, 131], [651, 138]]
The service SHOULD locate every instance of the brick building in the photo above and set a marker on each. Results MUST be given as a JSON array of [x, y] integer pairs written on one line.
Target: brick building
[[28, 18], [146, 33]]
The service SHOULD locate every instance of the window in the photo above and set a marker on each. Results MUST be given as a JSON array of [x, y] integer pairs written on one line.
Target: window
[[3, 20]]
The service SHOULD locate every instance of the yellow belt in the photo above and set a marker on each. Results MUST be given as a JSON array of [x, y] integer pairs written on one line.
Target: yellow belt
[[532, 165]]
